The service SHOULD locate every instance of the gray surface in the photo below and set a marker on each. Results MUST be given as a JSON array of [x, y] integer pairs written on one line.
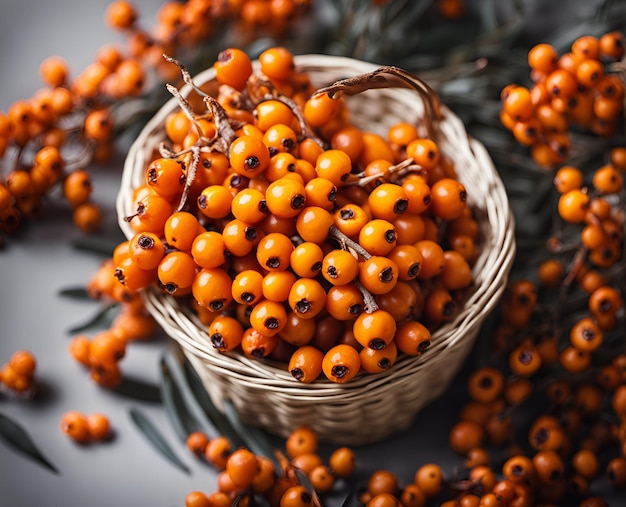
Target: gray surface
[[127, 470]]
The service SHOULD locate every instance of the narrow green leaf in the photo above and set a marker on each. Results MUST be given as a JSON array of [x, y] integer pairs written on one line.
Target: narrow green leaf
[[156, 438], [254, 438], [139, 390], [16, 436], [79, 293], [218, 419], [103, 319], [181, 419], [188, 394]]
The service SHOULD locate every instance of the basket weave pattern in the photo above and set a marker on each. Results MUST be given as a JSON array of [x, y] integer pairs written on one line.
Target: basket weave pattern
[[370, 407]]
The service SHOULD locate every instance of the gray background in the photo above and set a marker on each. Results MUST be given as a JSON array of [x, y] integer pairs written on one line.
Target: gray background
[[126, 470]]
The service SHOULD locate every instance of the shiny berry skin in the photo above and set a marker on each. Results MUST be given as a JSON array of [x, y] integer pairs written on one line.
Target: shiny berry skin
[[341, 363]]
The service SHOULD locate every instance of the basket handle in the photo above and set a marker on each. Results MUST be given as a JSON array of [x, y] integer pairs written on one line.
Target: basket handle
[[391, 77]]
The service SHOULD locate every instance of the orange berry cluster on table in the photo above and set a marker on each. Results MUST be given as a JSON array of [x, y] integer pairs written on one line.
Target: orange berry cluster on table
[[85, 429], [18, 373], [574, 89], [295, 234], [102, 352], [50, 139], [243, 475]]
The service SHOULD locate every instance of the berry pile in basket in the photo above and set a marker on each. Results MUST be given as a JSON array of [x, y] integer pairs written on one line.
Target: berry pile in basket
[[296, 234], [576, 88]]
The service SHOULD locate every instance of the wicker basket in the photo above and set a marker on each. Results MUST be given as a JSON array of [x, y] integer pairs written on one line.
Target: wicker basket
[[370, 407]]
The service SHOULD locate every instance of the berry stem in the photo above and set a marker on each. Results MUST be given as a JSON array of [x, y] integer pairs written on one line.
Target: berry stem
[[369, 302], [347, 243]]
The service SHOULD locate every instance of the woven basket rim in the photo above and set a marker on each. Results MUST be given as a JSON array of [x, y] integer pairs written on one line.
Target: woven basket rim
[[492, 267]]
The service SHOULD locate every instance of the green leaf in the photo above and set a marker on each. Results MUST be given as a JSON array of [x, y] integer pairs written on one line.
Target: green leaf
[[79, 293], [102, 319], [254, 438], [156, 438], [218, 419], [191, 395], [181, 419], [17, 437], [139, 390]]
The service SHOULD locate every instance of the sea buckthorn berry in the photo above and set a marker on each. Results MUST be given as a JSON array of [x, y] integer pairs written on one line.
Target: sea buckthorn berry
[[433, 259], [611, 45], [208, 249], [456, 273], [306, 461], [305, 364], [430, 479], [548, 466], [74, 425], [225, 333], [197, 499], [378, 237], [408, 259], [439, 306], [607, 180], [280, 139], [77, 187], [181, 229], [387, 201], [572, 206], [241, 467], [240, 237], [350, 219], [277, 63], [166, 177], [313, 224], [344, 302], [307, 298], [176, 273], [550, 273], [281, 164], [247, 287], [575, 360], [322, 479], [211, 288], [217, 451], [424, 153], [518, 469], [23, 363], [543, 58], [298, 331], [561, 83], [79, 349], [517, 103], [273, 112], [285, 197], [374, 330], [268, 317], [273, 251], [320, 109], [616, 471], [98, 426], [277, 285], [448, 199], [585, 335], [589, 72], [341, 363], [306, 259], [412, 338], [296, 496], [334, 165], [486, 384], [339, 267], [106, 348], [129, 274], [255, 345], [233, 67], [605, 300], [150, 215], [383, 481], [342, 462], [121, 15], [378, 361], [350, 140], [321, 192], [301, 440], [147, 250], [378, 274], [249, 156]]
